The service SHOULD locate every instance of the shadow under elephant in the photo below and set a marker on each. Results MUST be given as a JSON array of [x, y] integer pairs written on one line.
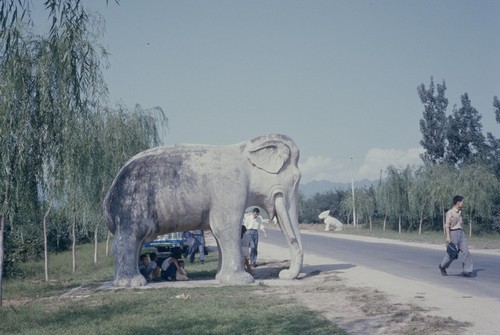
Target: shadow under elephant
[[270, 269]]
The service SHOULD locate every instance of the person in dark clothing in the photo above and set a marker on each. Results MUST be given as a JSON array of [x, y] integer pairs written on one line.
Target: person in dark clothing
[[170, 265], [143, 266], [196, 243]]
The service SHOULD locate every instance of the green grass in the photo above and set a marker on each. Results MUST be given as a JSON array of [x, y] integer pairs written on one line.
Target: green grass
[[230, 310], [32, 306], [486, 241]]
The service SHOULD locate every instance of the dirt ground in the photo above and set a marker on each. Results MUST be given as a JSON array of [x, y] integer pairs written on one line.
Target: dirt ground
[[365, 301]]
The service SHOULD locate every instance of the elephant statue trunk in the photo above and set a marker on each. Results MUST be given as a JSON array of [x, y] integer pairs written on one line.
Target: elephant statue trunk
[[288, 222], [185, 187]]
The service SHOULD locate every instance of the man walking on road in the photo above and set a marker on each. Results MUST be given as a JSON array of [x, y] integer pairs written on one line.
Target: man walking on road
[[455, 234]]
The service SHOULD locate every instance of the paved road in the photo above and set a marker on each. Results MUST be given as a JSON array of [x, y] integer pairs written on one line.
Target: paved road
[[409, 262]]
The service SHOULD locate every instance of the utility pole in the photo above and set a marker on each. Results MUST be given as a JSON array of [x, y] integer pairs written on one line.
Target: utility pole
[[352, 188]]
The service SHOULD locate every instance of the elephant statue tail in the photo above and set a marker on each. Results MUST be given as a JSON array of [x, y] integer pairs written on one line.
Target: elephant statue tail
[[106, 204]]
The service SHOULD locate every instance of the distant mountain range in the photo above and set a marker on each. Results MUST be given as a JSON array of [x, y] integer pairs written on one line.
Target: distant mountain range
[[319, 186]]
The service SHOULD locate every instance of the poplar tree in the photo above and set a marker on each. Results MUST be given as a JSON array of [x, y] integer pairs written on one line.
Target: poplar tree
[[493, 156], [466, 142], [433, 123]]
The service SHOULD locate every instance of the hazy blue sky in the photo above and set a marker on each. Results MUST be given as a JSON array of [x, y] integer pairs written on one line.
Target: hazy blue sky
[[339, 77]]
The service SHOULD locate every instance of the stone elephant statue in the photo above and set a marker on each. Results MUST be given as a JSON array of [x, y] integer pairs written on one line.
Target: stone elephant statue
[[186, 187]]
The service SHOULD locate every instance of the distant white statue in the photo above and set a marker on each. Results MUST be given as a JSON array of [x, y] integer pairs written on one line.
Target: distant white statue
[[330, 221], [273, 221]]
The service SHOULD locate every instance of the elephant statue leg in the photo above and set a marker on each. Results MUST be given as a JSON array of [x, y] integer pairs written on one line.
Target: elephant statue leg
[[230, 264], [126, 249]]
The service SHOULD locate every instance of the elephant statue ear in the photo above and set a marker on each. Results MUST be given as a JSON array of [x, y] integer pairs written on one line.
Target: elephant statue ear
[[269, 156]]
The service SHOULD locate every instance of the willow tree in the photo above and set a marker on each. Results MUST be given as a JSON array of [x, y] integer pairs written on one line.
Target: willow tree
[[365, 205], [71, 88], [444, 185], [50, 85], [119, 134], [18, 158], [418, 196], [382, 201], [346, 208], [428, 192], [394, 193], [479, 187]]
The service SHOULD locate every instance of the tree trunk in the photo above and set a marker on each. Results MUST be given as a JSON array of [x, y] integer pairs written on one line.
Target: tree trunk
[[399, 224], [5, 205], [385, 220], [45, 243], [96, 242], [2, 225], [444, 219], [421, 221], [73, 247], [470, 227], [370, 219], [107, 243]]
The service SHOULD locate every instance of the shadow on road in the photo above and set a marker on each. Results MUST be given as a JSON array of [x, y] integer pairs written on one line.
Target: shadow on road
[[271, 269]]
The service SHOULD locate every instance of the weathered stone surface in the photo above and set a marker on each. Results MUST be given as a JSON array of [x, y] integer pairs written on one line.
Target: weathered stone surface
[[186, 187]]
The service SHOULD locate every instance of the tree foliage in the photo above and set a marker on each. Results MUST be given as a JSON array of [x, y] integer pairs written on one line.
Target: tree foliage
[[60, 145], [456, 139], [456, 146], [466, 142], [320, 202], [365, 205], [492, 159], [433, 124], [481, 187], [415, 199]]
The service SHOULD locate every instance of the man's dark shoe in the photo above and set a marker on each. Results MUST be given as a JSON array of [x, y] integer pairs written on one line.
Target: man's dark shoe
[[443, 270], [468, 274]]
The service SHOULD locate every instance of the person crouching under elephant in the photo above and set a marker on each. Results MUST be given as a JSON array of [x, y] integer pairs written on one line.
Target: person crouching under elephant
[[253, 223], [171, 265], [143, 266], [181, 273]]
